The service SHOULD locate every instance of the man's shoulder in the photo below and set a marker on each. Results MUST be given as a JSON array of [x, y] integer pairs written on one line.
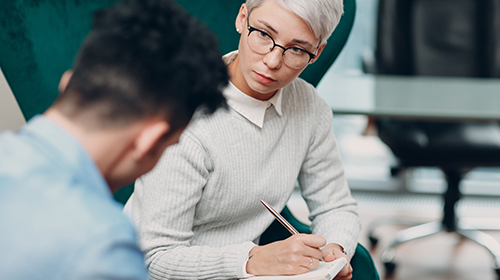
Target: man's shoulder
[[61, 203], [57, 227], [47, 207], [20, 156]]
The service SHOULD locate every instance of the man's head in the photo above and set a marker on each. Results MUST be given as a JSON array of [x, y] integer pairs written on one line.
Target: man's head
[[145, 64], [145, 58]]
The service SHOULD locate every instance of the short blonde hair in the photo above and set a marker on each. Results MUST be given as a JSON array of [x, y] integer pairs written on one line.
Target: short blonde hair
[[322, 16]]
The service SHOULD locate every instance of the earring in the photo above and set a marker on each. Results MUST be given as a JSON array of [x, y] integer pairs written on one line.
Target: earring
[[238, 30]]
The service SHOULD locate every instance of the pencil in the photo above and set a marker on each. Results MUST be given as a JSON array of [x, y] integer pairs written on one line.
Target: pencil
[[280, 218]]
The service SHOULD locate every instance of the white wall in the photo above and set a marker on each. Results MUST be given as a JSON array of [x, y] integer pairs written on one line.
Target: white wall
[[11, 117]]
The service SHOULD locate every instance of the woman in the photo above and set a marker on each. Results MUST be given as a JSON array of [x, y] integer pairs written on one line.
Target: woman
[[198, 213]]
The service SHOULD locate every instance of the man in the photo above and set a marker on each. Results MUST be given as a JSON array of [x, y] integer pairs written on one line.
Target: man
[[143, 70]]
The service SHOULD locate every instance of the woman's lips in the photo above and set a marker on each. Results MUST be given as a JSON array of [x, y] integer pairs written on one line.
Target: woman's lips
[[264, 79]]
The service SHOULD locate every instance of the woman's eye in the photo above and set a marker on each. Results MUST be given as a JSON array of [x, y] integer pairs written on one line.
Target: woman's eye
[[296, 50], [264, 34]]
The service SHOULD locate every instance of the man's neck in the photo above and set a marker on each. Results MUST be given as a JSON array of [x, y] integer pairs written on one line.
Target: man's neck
[[106, 147]]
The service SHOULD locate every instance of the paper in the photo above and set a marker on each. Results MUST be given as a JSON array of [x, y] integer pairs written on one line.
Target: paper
[[325, 271]]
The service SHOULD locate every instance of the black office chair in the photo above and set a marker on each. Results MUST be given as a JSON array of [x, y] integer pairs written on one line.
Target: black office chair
[[458, 38]]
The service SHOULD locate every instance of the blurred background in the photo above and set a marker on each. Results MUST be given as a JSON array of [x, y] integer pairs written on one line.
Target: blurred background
[[398, 169], [413, 194]]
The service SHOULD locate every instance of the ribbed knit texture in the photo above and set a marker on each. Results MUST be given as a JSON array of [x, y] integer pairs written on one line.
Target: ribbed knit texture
[[198, 212]]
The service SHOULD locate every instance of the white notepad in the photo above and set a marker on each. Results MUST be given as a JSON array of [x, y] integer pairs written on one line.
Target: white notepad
[[325, 271]]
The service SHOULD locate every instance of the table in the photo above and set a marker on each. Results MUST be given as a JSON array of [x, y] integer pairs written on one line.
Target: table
[[415, 97]]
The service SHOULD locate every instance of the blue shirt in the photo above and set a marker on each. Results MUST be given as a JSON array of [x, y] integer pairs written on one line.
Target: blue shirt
[[58, 219]]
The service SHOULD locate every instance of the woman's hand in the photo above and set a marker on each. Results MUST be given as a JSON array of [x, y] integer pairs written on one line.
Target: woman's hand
[[332, 252], [294, 255]]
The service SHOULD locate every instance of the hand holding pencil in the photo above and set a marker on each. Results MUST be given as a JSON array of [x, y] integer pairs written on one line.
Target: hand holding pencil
[[295, 255]]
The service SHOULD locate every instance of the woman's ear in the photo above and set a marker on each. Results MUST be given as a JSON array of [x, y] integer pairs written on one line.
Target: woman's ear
[[320, 49], [241, 18], [63, 83]]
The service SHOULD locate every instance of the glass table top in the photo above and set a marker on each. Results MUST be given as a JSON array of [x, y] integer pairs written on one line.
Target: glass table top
[[412, 96]]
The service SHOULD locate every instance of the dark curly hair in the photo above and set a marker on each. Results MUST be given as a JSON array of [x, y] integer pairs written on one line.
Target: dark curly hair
[[144, 58]]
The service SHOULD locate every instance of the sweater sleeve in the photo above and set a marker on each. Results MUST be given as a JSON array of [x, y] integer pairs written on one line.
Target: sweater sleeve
[[333, 211], [164, 207]]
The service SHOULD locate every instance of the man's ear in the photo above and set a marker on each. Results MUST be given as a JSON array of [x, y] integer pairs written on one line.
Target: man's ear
[[320, 49], [148, 137], [63, 83]]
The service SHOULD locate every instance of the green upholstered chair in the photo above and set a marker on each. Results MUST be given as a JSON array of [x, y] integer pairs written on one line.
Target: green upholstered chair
[[40, 38], [38, 42]]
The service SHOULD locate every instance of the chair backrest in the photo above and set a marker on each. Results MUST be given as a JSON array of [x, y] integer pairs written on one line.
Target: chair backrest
[[457, 38], [439, 38], [38, 41]]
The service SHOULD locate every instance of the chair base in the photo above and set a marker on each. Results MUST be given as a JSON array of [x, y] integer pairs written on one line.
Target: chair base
[[449, 223], [427, 229]]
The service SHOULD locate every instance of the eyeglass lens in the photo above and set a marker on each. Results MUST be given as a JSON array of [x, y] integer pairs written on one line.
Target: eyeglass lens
[[260, 42]]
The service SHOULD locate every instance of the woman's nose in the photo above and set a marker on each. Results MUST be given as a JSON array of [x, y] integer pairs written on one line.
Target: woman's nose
[[274, 58]]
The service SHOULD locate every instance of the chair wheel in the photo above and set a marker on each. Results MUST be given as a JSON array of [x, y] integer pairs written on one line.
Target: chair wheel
[[389, 268], [373, 241]]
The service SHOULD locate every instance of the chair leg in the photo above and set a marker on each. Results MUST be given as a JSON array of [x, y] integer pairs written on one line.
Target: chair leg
[[485, 240], [386, 221], [451, 197], [479, 223], [407, 235]]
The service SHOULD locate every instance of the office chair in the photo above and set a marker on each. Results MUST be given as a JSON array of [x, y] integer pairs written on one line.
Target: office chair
[[40, 38], [457, 38]]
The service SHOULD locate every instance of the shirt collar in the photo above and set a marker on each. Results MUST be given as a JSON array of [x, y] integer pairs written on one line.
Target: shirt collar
[[68, 151], [251, 108]]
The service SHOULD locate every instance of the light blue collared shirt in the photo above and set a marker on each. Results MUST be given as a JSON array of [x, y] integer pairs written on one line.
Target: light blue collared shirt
[[58, 219]]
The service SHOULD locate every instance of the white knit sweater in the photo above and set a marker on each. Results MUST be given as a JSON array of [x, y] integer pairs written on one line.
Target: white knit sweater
[[198, 212]]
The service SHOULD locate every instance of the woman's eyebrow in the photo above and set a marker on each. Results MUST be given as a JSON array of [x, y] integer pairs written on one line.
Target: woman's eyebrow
[[302, 42], [297, 41], [269, 26]]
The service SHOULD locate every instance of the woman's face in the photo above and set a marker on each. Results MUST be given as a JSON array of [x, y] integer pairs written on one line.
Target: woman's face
[[260, 75]]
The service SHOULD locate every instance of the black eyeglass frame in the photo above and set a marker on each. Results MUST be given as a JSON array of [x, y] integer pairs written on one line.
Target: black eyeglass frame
[[252, 29]]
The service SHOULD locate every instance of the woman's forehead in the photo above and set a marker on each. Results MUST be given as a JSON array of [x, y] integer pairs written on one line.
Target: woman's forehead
[[282, 22]]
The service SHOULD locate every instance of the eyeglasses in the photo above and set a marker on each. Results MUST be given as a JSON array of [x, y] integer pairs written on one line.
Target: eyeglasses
[[262, 43]]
